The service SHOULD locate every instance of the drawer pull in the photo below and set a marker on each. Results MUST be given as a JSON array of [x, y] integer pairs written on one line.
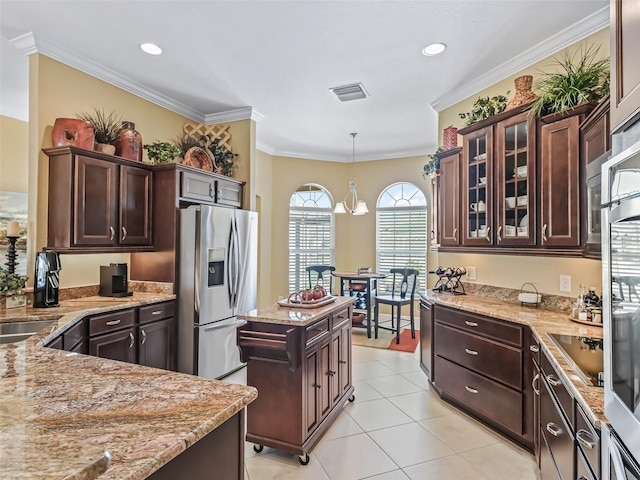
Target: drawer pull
[[533, 384], [111, 323], [553, 429], [470, 390], [553, 381], [471, 352], [471, 324], [157, 312], [534, 348], [587, 442], [132, 338]]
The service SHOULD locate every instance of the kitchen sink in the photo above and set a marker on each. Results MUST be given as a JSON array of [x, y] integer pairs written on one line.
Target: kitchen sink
[[17, 331]]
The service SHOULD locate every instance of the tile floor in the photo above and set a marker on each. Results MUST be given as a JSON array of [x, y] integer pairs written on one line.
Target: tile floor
[[397, 429]]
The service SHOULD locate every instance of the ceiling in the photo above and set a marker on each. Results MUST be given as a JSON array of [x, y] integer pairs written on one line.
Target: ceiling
[[277, 60]]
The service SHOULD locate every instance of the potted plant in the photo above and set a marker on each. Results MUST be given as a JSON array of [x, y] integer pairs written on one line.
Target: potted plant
[[11, 285], [433, 165], [161, 152], [225, 159], [105, 129], [484, 107], [579, 78]]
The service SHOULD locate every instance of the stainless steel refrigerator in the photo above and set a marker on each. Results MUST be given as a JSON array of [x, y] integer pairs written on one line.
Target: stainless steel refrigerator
[[217, 280]]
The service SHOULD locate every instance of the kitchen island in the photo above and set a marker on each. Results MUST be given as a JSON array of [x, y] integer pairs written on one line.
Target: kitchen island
[[299, 359], [67, 415]]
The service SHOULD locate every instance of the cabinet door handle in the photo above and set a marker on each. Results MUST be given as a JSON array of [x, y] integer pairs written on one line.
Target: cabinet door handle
[[432, 235], [218, 194], [470, 324], [112, 233], [553, 380], [544, 232], [111, 323], [499, 233], [331, 373], [553, 429], [124, 233], [533, 384], [470, 390], [211, 190], [144, 336], [315, 385], [471, 352], [534, 348], [342, 361], [488, 237], [132, 338], [587, 442], [455, 234]]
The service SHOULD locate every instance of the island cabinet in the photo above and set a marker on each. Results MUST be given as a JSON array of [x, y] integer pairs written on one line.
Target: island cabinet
[[478, 366], [98, 202], [302, 371]]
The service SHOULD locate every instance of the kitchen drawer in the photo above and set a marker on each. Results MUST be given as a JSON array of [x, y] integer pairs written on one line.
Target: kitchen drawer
[[479, 325], [493, 400], [500, 362], [111, 322], [559, 389], [556, 433], [339, 319], [74, 335], [316, 331], [157, 311], [588, 438]]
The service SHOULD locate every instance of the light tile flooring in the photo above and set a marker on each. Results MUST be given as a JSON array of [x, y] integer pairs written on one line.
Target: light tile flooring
[[397, 429]]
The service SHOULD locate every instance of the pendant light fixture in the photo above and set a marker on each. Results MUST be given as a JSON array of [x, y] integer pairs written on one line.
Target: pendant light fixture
[[358, 207]]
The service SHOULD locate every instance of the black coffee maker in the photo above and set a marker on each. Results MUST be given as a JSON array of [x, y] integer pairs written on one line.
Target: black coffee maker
[[47, 280], [113, 280]]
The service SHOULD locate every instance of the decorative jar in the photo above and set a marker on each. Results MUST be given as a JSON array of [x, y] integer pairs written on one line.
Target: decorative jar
[[129, 143]]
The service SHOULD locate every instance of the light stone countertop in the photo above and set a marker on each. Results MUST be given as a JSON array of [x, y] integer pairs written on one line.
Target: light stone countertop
[[60, 412], [542, 321], [300, 317]]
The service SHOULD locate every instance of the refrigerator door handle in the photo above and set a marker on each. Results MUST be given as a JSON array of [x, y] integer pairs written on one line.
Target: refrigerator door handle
[[236, 263], [230, 280]]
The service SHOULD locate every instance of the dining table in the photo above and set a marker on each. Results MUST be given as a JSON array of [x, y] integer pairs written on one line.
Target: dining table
[[369, 281]]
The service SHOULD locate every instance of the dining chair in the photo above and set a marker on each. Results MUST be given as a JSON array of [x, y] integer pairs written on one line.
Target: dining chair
[[318, 276], [403, 290]]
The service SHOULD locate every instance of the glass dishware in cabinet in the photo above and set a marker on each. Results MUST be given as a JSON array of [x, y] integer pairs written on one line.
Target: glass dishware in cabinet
[[477, 175], [515, 181]]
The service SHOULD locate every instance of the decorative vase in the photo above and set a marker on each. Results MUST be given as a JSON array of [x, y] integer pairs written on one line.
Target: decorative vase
[[129, 143], [523, 93], [105, 148], [73, 132], [449, 138]]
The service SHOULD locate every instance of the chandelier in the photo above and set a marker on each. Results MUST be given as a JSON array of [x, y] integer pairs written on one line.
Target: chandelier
[[357, 207]]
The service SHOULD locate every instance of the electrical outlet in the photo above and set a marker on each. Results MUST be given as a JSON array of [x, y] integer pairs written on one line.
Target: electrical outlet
[[565, 283], [471, 273]]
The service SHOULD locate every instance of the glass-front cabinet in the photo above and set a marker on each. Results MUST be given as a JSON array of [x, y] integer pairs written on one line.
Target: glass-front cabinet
[[477, 203], [515, 181]]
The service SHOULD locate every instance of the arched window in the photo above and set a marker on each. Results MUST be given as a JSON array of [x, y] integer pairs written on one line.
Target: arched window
[[401, 231], [311, 233]]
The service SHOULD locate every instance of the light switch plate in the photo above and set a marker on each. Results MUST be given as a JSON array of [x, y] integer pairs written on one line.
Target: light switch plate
[[565, 283], [471, 273]]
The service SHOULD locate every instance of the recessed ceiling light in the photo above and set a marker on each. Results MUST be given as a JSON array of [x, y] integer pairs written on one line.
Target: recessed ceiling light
[[434, 49], [151, 49]]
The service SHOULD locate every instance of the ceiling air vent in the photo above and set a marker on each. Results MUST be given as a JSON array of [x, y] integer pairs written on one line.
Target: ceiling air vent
[[347, 93]]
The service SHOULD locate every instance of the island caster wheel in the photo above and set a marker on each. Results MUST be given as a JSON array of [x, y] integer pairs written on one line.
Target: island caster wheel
[[258, 448], [352, 398], [304, 460]]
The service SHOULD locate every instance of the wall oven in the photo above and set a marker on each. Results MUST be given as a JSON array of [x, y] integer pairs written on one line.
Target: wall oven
[[621, 292]]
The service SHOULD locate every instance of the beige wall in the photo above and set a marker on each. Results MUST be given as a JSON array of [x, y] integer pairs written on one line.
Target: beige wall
[[264, 202], [14, 155], [512, 270]]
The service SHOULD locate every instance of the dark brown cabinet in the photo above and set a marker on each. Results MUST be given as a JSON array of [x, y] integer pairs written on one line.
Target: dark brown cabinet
[[99, 203], [120, 345], [157, 336], [449, 221], [625, 69], [426, 338], [477, 179]]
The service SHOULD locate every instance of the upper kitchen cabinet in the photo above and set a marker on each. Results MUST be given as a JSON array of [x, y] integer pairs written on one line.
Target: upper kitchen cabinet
[[98, 202], [449, 202], [625, 68]]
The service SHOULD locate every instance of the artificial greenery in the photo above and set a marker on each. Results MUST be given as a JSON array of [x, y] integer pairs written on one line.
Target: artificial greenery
[[161, 152], [105, 127], [11, 283], [484, 107], [225, 159], [580, 78], [433, 165], [186, 142]]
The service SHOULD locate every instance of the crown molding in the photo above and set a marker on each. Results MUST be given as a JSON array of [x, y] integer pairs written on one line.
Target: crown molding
[[244, 113], [25, 43], [563, 39], [265, 147]]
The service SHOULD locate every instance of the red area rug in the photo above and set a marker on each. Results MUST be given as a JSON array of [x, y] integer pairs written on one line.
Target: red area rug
[[407, 344]]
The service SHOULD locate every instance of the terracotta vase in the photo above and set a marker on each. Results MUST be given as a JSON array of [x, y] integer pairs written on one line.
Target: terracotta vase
[[129, 143], [523, 93], [72, 132]]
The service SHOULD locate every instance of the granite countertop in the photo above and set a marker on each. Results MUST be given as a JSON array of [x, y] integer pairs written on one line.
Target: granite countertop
[[541, 321], [65, 415], [294, 316]]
